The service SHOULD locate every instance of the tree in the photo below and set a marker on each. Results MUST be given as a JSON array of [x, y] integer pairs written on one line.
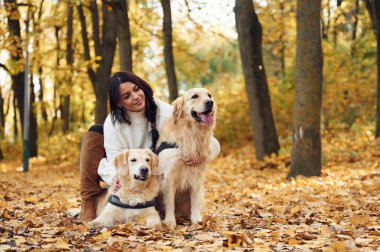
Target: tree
[[69, 62], [307, 154], [124, 35], [33, 132], [250, 35], [17, 74], [373, 7], [168, 50], [104, 49]]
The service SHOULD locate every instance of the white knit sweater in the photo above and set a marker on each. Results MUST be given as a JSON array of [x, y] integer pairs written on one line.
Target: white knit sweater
[[119, 137]]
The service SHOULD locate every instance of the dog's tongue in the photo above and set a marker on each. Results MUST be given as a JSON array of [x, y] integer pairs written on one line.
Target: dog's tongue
[[207, 119]]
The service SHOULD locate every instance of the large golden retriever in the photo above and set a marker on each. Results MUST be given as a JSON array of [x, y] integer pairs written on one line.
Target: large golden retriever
[[136, 170], [190, 129]]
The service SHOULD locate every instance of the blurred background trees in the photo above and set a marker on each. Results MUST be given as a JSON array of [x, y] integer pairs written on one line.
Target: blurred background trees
[[76, 45]]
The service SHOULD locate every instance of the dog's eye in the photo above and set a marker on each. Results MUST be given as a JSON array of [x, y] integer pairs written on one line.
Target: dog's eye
[[133, 160], [194, 96], [147, 159], [209, 95]]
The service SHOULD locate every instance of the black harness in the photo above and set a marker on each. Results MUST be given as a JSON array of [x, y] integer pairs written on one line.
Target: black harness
[[115, 200], [165, 145]]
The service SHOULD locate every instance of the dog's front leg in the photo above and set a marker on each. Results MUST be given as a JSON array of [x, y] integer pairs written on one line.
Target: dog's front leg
[[169, 194], [105, 219], [196, 197], [152, 218]]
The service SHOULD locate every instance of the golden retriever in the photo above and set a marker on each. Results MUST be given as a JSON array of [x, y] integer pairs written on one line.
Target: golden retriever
[[189, 128], [136, 170]]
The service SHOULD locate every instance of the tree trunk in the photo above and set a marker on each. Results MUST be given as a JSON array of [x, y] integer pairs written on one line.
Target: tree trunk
[[44, 114], [356, 19], [70, 62], [373, 8], [15, 127], [2, 115], [37, 60], [106, 51], [16, 55], [57, 83], [249, 33], [124, 35], [168, 50], [282, 39], [2, 122], [33, 133], [307, 154]]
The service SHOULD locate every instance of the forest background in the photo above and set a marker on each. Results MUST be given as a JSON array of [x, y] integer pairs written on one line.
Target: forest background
[[67, 76]]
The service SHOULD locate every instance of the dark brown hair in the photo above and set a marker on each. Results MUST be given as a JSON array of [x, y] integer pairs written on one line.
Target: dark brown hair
[[119, 114]]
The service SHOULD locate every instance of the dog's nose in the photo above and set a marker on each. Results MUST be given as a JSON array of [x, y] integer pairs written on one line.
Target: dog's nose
[[209, 104], [144, 170]]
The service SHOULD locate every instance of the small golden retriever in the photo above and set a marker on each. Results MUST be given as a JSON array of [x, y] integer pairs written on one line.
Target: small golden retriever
[[136, 170], [190, 129]]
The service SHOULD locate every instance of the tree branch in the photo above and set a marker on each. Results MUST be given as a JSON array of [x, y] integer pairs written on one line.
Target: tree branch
[[95, 27], [86, 46], [201, 26], [4, 67], [370, 9]]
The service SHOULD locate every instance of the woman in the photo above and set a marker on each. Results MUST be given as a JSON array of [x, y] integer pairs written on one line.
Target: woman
[[134, 122]]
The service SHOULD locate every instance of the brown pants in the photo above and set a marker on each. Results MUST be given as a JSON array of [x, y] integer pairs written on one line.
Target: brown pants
[[92, 151]]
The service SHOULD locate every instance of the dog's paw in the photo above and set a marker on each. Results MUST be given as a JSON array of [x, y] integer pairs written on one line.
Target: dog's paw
[[153, 222], [196, 217], [93, 224], [170, 220]]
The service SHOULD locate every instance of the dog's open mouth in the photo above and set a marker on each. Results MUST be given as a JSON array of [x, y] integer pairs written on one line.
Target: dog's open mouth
[[140, 177], [205, 117]]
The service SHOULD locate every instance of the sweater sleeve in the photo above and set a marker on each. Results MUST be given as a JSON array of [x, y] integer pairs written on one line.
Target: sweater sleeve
[[215, 148], [112, 146]]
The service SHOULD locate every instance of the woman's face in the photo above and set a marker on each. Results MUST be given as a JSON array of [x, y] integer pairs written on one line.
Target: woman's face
[[131, 97]]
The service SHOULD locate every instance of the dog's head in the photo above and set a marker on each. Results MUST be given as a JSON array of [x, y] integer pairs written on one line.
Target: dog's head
[[196, 104], [136, 164]]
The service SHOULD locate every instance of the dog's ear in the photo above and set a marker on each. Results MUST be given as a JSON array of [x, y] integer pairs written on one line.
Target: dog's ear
[[153, 162], [178, 106], [121, 160]]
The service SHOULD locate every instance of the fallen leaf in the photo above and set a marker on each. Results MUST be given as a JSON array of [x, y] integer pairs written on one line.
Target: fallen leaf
[[360, 219]]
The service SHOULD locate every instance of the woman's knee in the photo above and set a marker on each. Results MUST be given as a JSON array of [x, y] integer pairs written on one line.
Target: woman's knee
[[96, 128]]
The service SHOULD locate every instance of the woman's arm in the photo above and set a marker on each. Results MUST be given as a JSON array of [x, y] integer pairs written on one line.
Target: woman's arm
[[112, 146]]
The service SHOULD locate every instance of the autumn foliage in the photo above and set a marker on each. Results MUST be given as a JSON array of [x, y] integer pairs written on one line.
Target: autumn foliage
[[250, 203]]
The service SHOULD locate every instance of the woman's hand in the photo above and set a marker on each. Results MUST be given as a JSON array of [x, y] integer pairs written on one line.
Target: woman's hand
[[115, 184]]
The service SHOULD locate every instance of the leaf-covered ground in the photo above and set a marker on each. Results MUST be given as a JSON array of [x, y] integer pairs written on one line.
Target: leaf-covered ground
[[250, 205]]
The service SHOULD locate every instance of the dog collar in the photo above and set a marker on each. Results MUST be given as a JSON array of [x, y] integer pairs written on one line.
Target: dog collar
[[115, 200], [165, 145]]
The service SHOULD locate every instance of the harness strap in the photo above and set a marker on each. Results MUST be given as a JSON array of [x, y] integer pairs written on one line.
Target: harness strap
[[115, 200], [165, 145]]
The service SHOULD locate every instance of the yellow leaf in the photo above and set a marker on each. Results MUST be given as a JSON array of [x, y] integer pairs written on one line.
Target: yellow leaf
[[233, 240], [82, 228], [360, 219], [309, 198], [293, 241], [337, 247], [33, 200], [102, 236], [61, 244], [295, 210], [290, 232]]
